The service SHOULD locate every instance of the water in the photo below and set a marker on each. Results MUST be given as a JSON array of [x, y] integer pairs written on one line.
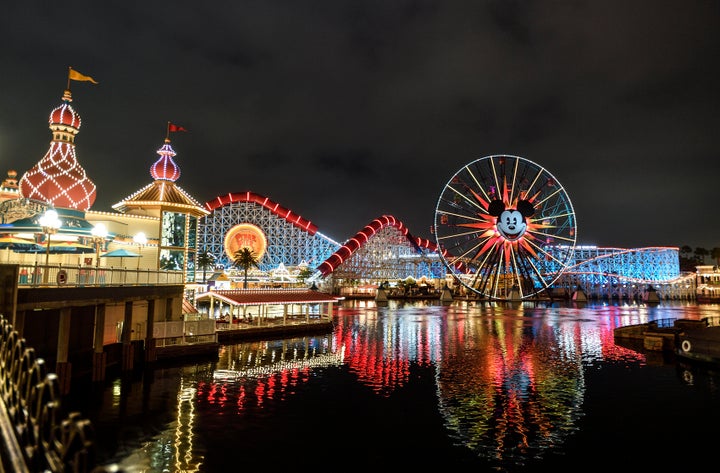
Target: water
[[489, 387]]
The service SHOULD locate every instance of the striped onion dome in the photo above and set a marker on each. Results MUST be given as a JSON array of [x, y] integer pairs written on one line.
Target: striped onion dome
[[58, 179], [163, 192], [165, 168]]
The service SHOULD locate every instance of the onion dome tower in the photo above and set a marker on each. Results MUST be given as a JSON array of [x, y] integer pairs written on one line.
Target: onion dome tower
[[165, 168], [9, 187], [177, 213], [162, 193], [58, 179]]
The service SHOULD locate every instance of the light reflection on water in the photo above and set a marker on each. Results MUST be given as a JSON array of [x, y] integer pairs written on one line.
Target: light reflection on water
[[486, 385]]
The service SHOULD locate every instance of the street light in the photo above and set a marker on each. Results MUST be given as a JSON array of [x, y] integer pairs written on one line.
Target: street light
[[141, 240], [50, 224], [99, 233]]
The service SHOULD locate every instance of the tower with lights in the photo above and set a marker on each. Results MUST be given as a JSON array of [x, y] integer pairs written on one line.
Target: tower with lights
[[58, 178], [175, 214], [57, 183]]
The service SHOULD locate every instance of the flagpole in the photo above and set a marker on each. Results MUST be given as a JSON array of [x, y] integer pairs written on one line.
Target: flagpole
[[167, 133], [68, 84]]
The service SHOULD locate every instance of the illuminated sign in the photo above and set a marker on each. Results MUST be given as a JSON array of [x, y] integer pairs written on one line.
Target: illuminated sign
[[245, 235]]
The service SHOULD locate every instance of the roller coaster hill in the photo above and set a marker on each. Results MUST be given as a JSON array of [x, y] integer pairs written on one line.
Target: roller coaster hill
[[385, 253]]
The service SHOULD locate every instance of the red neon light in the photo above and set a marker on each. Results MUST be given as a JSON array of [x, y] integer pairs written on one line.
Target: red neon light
[[274, 207]]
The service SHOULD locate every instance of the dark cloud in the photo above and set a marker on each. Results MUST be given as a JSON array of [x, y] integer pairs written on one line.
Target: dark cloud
[[353, 165], [350, 110]]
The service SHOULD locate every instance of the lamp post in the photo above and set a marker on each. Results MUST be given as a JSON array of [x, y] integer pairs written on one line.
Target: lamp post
[[141, 240], [50, 224], [99, 233]]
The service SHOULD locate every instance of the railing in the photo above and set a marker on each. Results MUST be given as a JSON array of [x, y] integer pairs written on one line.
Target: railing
[[40, 275], [183, 332], [33, 437]]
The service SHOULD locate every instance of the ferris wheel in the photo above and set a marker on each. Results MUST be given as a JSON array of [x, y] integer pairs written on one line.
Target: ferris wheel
[[505, 227]]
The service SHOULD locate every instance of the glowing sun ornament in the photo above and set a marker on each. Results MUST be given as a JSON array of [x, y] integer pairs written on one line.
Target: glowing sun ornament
[[245, 235], [505, 227]]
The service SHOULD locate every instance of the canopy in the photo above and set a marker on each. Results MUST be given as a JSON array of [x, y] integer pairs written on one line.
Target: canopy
[[70, 247], [9, 241], [120, 253], [56, 247]]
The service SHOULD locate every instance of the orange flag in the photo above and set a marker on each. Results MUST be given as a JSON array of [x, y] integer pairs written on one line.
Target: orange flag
[[75, 75]]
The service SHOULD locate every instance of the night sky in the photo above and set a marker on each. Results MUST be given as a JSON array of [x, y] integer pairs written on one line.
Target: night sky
[[343, 111]]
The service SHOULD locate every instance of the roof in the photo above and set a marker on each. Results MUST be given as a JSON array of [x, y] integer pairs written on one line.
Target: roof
[[188, 307], [268, 296], [72, 222], [161, 193]]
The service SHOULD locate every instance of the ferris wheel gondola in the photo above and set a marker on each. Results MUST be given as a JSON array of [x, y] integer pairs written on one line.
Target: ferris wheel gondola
[[505, 227]]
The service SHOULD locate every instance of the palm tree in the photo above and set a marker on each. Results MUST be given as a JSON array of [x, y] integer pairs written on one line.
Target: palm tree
[[685, 250], [715, 254], [303, 274], [700, 254], [686, 263], [205, 260], [244, 259]]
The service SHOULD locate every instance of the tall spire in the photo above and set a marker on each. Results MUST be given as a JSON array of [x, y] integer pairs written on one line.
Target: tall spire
[[58, 179]]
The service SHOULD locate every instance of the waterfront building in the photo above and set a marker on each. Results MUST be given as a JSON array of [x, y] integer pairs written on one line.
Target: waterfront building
[[708, 283], [155, 227]]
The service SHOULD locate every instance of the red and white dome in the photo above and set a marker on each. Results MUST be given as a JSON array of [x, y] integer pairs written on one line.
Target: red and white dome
[[65, 115], [165, 168], [58, 179]]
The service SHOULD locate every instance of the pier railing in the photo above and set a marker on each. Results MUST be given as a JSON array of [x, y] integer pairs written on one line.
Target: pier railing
[[39, 275], [33, 436]]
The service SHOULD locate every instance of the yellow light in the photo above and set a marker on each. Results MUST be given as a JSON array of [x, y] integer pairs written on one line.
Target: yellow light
[[50, 224]]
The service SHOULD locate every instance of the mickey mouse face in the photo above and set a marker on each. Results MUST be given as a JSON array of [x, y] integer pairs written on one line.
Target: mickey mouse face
[[511, 223]]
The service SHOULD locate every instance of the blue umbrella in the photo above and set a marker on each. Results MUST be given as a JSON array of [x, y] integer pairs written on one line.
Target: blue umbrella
[[120, 253]]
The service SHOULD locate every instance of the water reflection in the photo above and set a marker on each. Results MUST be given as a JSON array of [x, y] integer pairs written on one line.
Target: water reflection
[[510, 382], [252, 374], [509, 378]]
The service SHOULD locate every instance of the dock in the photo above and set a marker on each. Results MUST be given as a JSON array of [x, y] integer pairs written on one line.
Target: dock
[[658, 335]]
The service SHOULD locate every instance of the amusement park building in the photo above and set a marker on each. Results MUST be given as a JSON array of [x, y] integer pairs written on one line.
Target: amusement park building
[[177, 228]]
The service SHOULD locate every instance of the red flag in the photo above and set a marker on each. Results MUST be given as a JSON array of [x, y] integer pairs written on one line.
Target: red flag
[[173, 127]]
